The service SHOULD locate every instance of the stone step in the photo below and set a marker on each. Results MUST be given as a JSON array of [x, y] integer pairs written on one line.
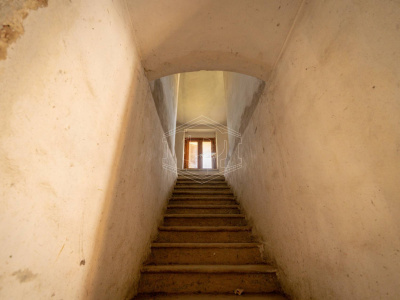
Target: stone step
[[205, 253], [177, 197], [200, 177], [204, 234], [204, 220], [201, 192], [202, 187], [203, 201], [201, 181], [197, 183], [202, 209], [230, 296], [185, 279]]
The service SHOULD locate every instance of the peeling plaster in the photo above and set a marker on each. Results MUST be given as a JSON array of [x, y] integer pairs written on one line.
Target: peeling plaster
[[12, 15]]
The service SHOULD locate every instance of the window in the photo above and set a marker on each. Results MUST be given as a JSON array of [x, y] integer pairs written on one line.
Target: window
[[200, 153], [193, 155]]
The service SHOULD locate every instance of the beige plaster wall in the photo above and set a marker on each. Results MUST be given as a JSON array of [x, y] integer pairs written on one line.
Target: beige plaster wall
[[242, 93], [165, 92], [75, 116], [201, 94], [12, 14], [244, 36], [179, 148], [320, 176]]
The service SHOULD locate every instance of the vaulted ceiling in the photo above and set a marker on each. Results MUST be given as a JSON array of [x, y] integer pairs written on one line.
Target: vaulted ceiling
[[245, 36]]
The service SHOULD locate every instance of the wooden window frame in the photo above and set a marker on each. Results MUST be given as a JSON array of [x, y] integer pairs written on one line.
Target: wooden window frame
[[200, 153]]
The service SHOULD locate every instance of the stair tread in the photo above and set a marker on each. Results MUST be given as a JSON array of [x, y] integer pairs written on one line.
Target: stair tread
[[205, 245], [222, 191], [201, 186], [205, 228], [204, 177], [268, 296], [203, 206], [204, 216], [218, 197], [200, 180], [209, 269], [206, 180]]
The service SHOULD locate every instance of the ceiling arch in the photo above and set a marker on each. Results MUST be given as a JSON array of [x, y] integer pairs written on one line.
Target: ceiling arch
[[244, 36]]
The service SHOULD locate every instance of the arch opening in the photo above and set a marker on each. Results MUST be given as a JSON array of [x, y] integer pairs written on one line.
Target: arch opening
[[214, 105]]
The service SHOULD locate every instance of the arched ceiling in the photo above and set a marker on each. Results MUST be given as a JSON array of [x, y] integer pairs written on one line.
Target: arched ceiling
[[244, 36]]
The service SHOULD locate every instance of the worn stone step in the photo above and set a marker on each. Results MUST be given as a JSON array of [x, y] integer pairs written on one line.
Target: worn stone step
[[202, 209], [202, 192], [202, 187], [201, 181], [203, 201], [205, 253], [204, 234], [230, 296], [200, 177], [194, 183], [178, 197], [204, 220], [207, 198], [185, 279]]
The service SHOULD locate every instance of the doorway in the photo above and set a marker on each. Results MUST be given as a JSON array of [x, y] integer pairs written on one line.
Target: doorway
[[200, 153]]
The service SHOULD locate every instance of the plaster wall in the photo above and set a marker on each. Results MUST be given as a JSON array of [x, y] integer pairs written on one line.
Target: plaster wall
[[179, 148], [165, 94], [77, 212], [12, 14], [242, 93], [320, 176], [244, 36], [201, 94]]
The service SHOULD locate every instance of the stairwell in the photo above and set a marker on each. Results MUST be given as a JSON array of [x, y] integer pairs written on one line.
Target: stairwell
[[205, 249]]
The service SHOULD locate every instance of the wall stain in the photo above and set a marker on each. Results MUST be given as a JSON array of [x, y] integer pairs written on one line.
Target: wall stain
[[162, 104], [62, 248], [248, 111], [25, 275], [12, 15]]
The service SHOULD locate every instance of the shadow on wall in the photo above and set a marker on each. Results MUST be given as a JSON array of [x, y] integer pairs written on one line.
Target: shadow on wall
[[133, 205]]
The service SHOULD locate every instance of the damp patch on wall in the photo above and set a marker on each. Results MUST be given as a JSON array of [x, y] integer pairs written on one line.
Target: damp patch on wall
[[12, 15]]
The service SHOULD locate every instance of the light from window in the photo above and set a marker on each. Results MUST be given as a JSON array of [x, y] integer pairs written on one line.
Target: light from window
[[193, 155], [207, 161]]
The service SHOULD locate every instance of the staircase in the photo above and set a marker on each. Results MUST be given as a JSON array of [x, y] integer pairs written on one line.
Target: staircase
[[205, 249]]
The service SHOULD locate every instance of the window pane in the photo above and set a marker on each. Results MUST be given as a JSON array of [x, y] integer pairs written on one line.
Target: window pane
[[193, 155], [207, 161]]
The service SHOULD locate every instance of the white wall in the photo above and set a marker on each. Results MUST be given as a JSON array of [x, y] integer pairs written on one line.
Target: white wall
[[77, 210], [320, 176]]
